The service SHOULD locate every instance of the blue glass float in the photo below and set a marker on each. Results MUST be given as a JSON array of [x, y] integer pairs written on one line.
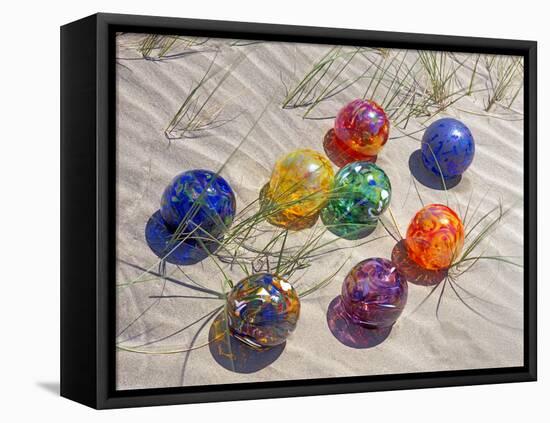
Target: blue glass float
[[166, 245], [374, 293], [448, 143], [262, 310], [198, 202], [197, 207]]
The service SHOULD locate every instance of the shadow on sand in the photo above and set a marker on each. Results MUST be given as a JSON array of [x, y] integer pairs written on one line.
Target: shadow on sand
[[234, 355], [352, 334], [428, 178], [412, 271]]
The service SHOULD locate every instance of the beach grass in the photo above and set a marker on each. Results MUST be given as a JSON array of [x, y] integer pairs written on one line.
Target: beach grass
[[479, 227], [324, 80], [505, 80], [162, 47], [199, 111]]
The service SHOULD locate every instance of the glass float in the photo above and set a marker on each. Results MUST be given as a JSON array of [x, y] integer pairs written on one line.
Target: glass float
[[435, 237], [361, 192], [374, 293], [262, 310], [298, 189], [448, 145], [197, 207], [200, 203], [361, 129]]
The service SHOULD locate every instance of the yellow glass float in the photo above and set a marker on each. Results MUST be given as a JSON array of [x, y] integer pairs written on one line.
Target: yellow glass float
[[298, 189]]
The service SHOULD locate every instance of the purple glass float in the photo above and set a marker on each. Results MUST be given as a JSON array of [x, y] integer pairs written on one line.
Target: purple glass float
[[374, 293]]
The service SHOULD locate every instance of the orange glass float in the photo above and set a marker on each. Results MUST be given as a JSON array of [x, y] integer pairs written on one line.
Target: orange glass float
[[435, 237]]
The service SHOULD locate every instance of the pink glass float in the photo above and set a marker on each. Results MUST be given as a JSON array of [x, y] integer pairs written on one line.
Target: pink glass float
[[361, 129]]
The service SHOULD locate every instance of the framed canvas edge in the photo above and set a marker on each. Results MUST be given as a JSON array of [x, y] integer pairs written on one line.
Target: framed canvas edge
[[78, 220], [108, 397]]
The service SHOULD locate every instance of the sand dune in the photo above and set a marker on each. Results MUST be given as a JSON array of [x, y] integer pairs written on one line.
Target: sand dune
[[148, 95]]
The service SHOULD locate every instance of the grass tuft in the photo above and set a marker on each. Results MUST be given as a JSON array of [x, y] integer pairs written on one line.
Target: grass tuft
[[505, 80], [162, 47], [199, 112]]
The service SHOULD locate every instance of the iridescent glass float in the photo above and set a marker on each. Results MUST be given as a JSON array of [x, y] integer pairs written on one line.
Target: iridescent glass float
[[262, 310]]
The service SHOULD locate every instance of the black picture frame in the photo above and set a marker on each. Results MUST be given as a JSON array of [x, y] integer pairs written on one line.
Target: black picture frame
[[88, 211]]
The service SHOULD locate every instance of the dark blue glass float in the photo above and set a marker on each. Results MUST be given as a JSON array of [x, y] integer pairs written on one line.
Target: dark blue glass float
[[197, 208], [198, 202], [448, 143]]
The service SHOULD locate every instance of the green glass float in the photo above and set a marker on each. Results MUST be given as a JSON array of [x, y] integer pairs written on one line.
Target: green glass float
[[361, 192]]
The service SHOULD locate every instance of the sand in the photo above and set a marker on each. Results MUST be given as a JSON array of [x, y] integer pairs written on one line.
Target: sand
[[486, 332]]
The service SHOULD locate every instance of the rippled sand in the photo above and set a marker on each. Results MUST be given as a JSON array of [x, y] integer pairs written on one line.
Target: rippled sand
[[485, 333]]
